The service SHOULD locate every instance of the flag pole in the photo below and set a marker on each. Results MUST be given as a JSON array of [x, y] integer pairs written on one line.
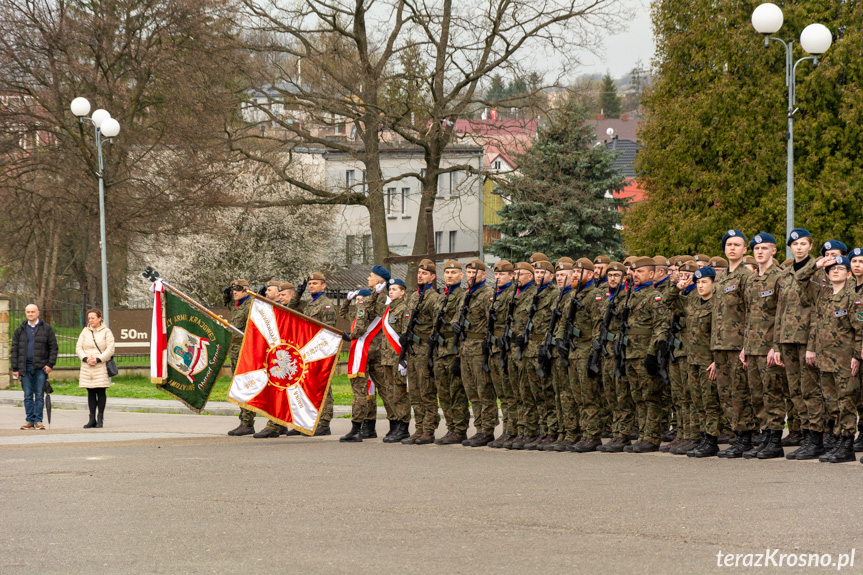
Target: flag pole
[[200, 307], [294, 312]]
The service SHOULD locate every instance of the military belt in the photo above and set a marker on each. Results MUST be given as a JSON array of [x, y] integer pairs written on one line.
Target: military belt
[[498, 332], [471, 335], [537, 338], [639, 331]]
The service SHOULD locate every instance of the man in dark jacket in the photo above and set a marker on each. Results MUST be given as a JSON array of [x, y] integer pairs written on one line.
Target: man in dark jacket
[[34, 353]]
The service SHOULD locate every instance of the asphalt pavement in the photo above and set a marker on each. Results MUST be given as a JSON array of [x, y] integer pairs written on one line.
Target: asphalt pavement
[[170, 493]]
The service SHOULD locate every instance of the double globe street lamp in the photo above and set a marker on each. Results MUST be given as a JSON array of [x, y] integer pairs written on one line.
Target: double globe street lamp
[[106, 127], [815, 39]]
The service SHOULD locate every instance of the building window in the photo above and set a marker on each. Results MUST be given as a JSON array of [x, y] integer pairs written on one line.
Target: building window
[[391, 198], [339, 129], [350, 178], [496, 165], [438, 240], [441, 181], [405, 192], [358, 249], [368, 256], [452, 241], [455, 179]]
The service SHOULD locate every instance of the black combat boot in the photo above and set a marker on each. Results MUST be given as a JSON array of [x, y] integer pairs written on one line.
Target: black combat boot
[[354, 435], [773, 449], [753, 451], [741, 445], [367, 430], [813, 448], [390, 432], [792, 455], [793, 439], [266, 432], [242, 429], [844, 452], [708, 448], [323, 430]]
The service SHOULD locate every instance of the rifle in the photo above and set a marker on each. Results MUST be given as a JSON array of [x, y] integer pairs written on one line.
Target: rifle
[[544, 357], [462, 318], [488, 341], [564, 346], [407, 338], [622, 339], [528, 325], [434, 340], [506, 339], [599, 344], [665, 349]]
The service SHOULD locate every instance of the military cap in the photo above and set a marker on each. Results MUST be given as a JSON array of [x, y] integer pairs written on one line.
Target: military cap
[[397, 282], [732, 234], [616, 267], [786, 263], [762, 238], [750, 260], [365, 292], [686, 258], [603, 259], [286, 286], [381, 272], [537, 257], [855, 253], [475, 265], [503, 266], [703, 273], [661, 261], [239, 285], [543, 265], [584, 264], [833, 245], [523, 266], [427, 265], [452, 265], [642, 262], [317, 276], [274, 284], [689, 267], [628, 261], [840, 261], [796, 234], [718, 262], [700, 258], [563, 264]]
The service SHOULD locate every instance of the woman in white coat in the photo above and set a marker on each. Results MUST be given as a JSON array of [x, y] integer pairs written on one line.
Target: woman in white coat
[[95, 347]]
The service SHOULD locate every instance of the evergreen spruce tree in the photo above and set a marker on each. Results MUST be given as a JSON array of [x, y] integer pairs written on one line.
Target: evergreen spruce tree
[[556, 202], [609, 99]]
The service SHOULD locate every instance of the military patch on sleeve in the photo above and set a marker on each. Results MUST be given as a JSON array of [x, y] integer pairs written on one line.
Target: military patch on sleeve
[[328, 307], [860, 316], [599, 298], [361, 313], [857, 303], [658, 298]]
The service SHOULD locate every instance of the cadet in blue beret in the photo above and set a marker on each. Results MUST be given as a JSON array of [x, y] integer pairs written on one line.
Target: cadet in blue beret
[[762, 238], [833, 248], [796, 234], [733, 234]]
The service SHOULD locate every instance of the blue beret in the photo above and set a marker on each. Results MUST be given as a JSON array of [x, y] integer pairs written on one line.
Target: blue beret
[[840, 261], [855, 253], [796, 234], [833, 245], [732, 234], [382, 272], [762, 238], [704, 272], [398, 282], [364, 292]]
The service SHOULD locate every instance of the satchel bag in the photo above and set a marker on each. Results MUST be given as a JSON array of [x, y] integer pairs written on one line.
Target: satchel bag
[[109, 365]]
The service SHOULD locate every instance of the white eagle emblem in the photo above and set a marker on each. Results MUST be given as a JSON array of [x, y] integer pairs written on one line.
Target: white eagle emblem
[[795, 235], [757, 239], [285, 366], [731, 233]]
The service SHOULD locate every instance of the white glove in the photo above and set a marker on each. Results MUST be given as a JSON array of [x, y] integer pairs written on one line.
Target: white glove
[[389, 301], [353, 294], [403, 370], [380, 287]]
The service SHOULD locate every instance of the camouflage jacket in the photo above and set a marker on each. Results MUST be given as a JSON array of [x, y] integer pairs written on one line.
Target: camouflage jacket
[[603, 297], [760, 298], [450, 315], [588, 298], [239, 316], [541, 318], [398, 321], [372, 307], [425, 321], [793, 311], [696, 317], [836, 336], [322, 309], [476, 321], [523, 297], [647, 322], [501, 305], [729, 317]]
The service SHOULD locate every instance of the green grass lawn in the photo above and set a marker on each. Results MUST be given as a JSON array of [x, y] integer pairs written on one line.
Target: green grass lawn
[[140, 387]]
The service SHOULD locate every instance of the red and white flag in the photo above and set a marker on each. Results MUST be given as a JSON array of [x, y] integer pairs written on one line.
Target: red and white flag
[[359, 354], [285, 367], [158, 341], [391, 334]]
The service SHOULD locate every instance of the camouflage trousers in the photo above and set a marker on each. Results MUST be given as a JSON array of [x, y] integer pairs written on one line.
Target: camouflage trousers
[[624, 414], [803, 383], [734, 391], [247, 417], [671, 416], [588, 392], [359, 405], [506, 392], [530, 422], [681, 399], [395, 394], [327, 409], [859, 402], [831, 401], [792, 401], [765, 385], [543, 391], [650, 395], [422, 390], [611, 417], [567, 400], [450, 392], [847, 388], [480, 392]]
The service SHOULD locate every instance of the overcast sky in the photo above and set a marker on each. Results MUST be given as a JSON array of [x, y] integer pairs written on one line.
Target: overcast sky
[[621, 52]]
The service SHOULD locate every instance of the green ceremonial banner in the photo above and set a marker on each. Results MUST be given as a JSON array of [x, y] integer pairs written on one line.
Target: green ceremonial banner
[[196, 348]]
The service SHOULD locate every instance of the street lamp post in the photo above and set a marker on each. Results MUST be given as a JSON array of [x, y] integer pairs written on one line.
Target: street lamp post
[[815, 39], [106, 127]]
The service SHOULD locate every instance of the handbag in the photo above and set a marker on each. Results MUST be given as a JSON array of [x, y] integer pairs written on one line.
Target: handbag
[[109, 365]]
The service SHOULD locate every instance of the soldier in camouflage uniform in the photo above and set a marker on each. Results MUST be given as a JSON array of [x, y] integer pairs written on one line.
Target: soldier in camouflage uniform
[[421, 385], [323, 309], [396, 392], [760, 298], [675, 404], [834, 344], [601, 264], [623, 411], [528, 423], [856, 257], [239, 315], [566, 402], [477, 384], [648, 326], [359, 384], [503, 379]]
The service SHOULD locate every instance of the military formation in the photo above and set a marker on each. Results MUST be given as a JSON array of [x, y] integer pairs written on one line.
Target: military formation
[[680, 355]]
